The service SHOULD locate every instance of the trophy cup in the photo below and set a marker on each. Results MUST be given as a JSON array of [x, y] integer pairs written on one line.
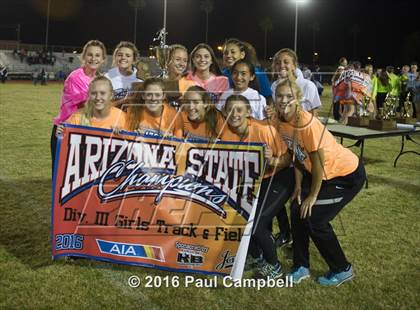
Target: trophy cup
[[406, 115], [162, 52], [362, 117], [385, 120]]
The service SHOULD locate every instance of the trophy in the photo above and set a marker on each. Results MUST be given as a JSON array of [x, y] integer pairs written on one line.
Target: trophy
[[385, 119], [406, 114], [162, 52], [362, 117]]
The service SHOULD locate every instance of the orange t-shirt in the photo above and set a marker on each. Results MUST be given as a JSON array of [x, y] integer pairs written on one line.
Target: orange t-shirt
[[258, 132], [116, 118], [198, 131], [311, 135], [184, 84], [169, 123]]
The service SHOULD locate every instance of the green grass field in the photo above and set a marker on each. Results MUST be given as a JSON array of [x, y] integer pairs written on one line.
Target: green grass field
[[379, 232]]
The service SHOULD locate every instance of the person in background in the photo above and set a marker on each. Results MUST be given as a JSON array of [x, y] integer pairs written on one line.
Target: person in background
[[405, 70], [3, 74], [307, 74], [317, 79], [343, 62], [412, 84], [416, 97], [394, 81], [384, 87], [336, 104], [374, 80]]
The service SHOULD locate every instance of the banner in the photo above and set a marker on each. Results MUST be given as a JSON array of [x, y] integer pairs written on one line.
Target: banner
[[153, 202], [351, 87]]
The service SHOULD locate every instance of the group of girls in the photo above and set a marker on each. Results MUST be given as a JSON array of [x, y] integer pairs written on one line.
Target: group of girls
[[302, 159]]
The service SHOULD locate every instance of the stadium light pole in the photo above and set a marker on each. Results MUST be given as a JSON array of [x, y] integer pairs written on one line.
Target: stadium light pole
[[164, 21], [48, 24], [297, 2]]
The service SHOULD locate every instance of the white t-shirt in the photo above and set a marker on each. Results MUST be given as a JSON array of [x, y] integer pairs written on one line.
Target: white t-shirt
[[310, 97], [256, 100], [121, 83]]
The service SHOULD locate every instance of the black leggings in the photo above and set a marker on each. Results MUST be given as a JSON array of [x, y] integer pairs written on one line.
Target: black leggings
[[333, 196], [274, 193], [380, 99]]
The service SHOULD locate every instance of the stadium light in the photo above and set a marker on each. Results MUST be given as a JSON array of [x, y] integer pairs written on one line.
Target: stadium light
[[297, 2], [48, 25]]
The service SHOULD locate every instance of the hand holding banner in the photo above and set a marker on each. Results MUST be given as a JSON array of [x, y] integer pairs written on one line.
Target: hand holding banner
[[147, 201]]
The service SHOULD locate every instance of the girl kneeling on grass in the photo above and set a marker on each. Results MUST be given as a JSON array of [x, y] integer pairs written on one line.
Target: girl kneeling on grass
[[201, 120], [276, 187], [99, 111], [327, 177], [150, 115]]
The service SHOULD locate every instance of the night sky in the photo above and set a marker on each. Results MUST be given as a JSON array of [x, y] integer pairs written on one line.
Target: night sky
[[388, 31]]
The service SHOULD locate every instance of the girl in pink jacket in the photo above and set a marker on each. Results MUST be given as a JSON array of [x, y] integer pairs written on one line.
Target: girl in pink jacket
[[76, 85]]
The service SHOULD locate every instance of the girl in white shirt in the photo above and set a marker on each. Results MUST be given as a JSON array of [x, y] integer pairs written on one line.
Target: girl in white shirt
[[243, 73], [123, 73], [285, 65]]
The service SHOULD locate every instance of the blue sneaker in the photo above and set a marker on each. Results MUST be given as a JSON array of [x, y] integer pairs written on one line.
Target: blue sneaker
[[298, 274], [269, 271], [336, 278]]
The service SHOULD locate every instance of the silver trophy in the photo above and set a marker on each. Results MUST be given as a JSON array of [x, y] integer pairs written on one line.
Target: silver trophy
[[162, 52]]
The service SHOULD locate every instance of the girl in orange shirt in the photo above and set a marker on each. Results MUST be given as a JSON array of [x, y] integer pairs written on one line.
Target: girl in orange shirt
[[276, 186], [99, 111], [327, 177], [201, 120], [151, 115]]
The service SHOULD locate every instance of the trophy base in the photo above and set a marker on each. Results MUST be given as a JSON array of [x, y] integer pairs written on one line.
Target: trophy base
[[406, 120], [355, 121], [382, 125]]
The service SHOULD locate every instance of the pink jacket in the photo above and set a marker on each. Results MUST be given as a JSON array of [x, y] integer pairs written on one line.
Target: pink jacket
[[75, 94]]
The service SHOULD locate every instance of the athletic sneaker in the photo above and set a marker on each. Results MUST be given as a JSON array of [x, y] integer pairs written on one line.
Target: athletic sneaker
[[298, 274], [336, 278], [252, 263], [283, 239], [269, 271]]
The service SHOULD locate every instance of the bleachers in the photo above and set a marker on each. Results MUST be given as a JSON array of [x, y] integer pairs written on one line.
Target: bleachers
[[65, 62]]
